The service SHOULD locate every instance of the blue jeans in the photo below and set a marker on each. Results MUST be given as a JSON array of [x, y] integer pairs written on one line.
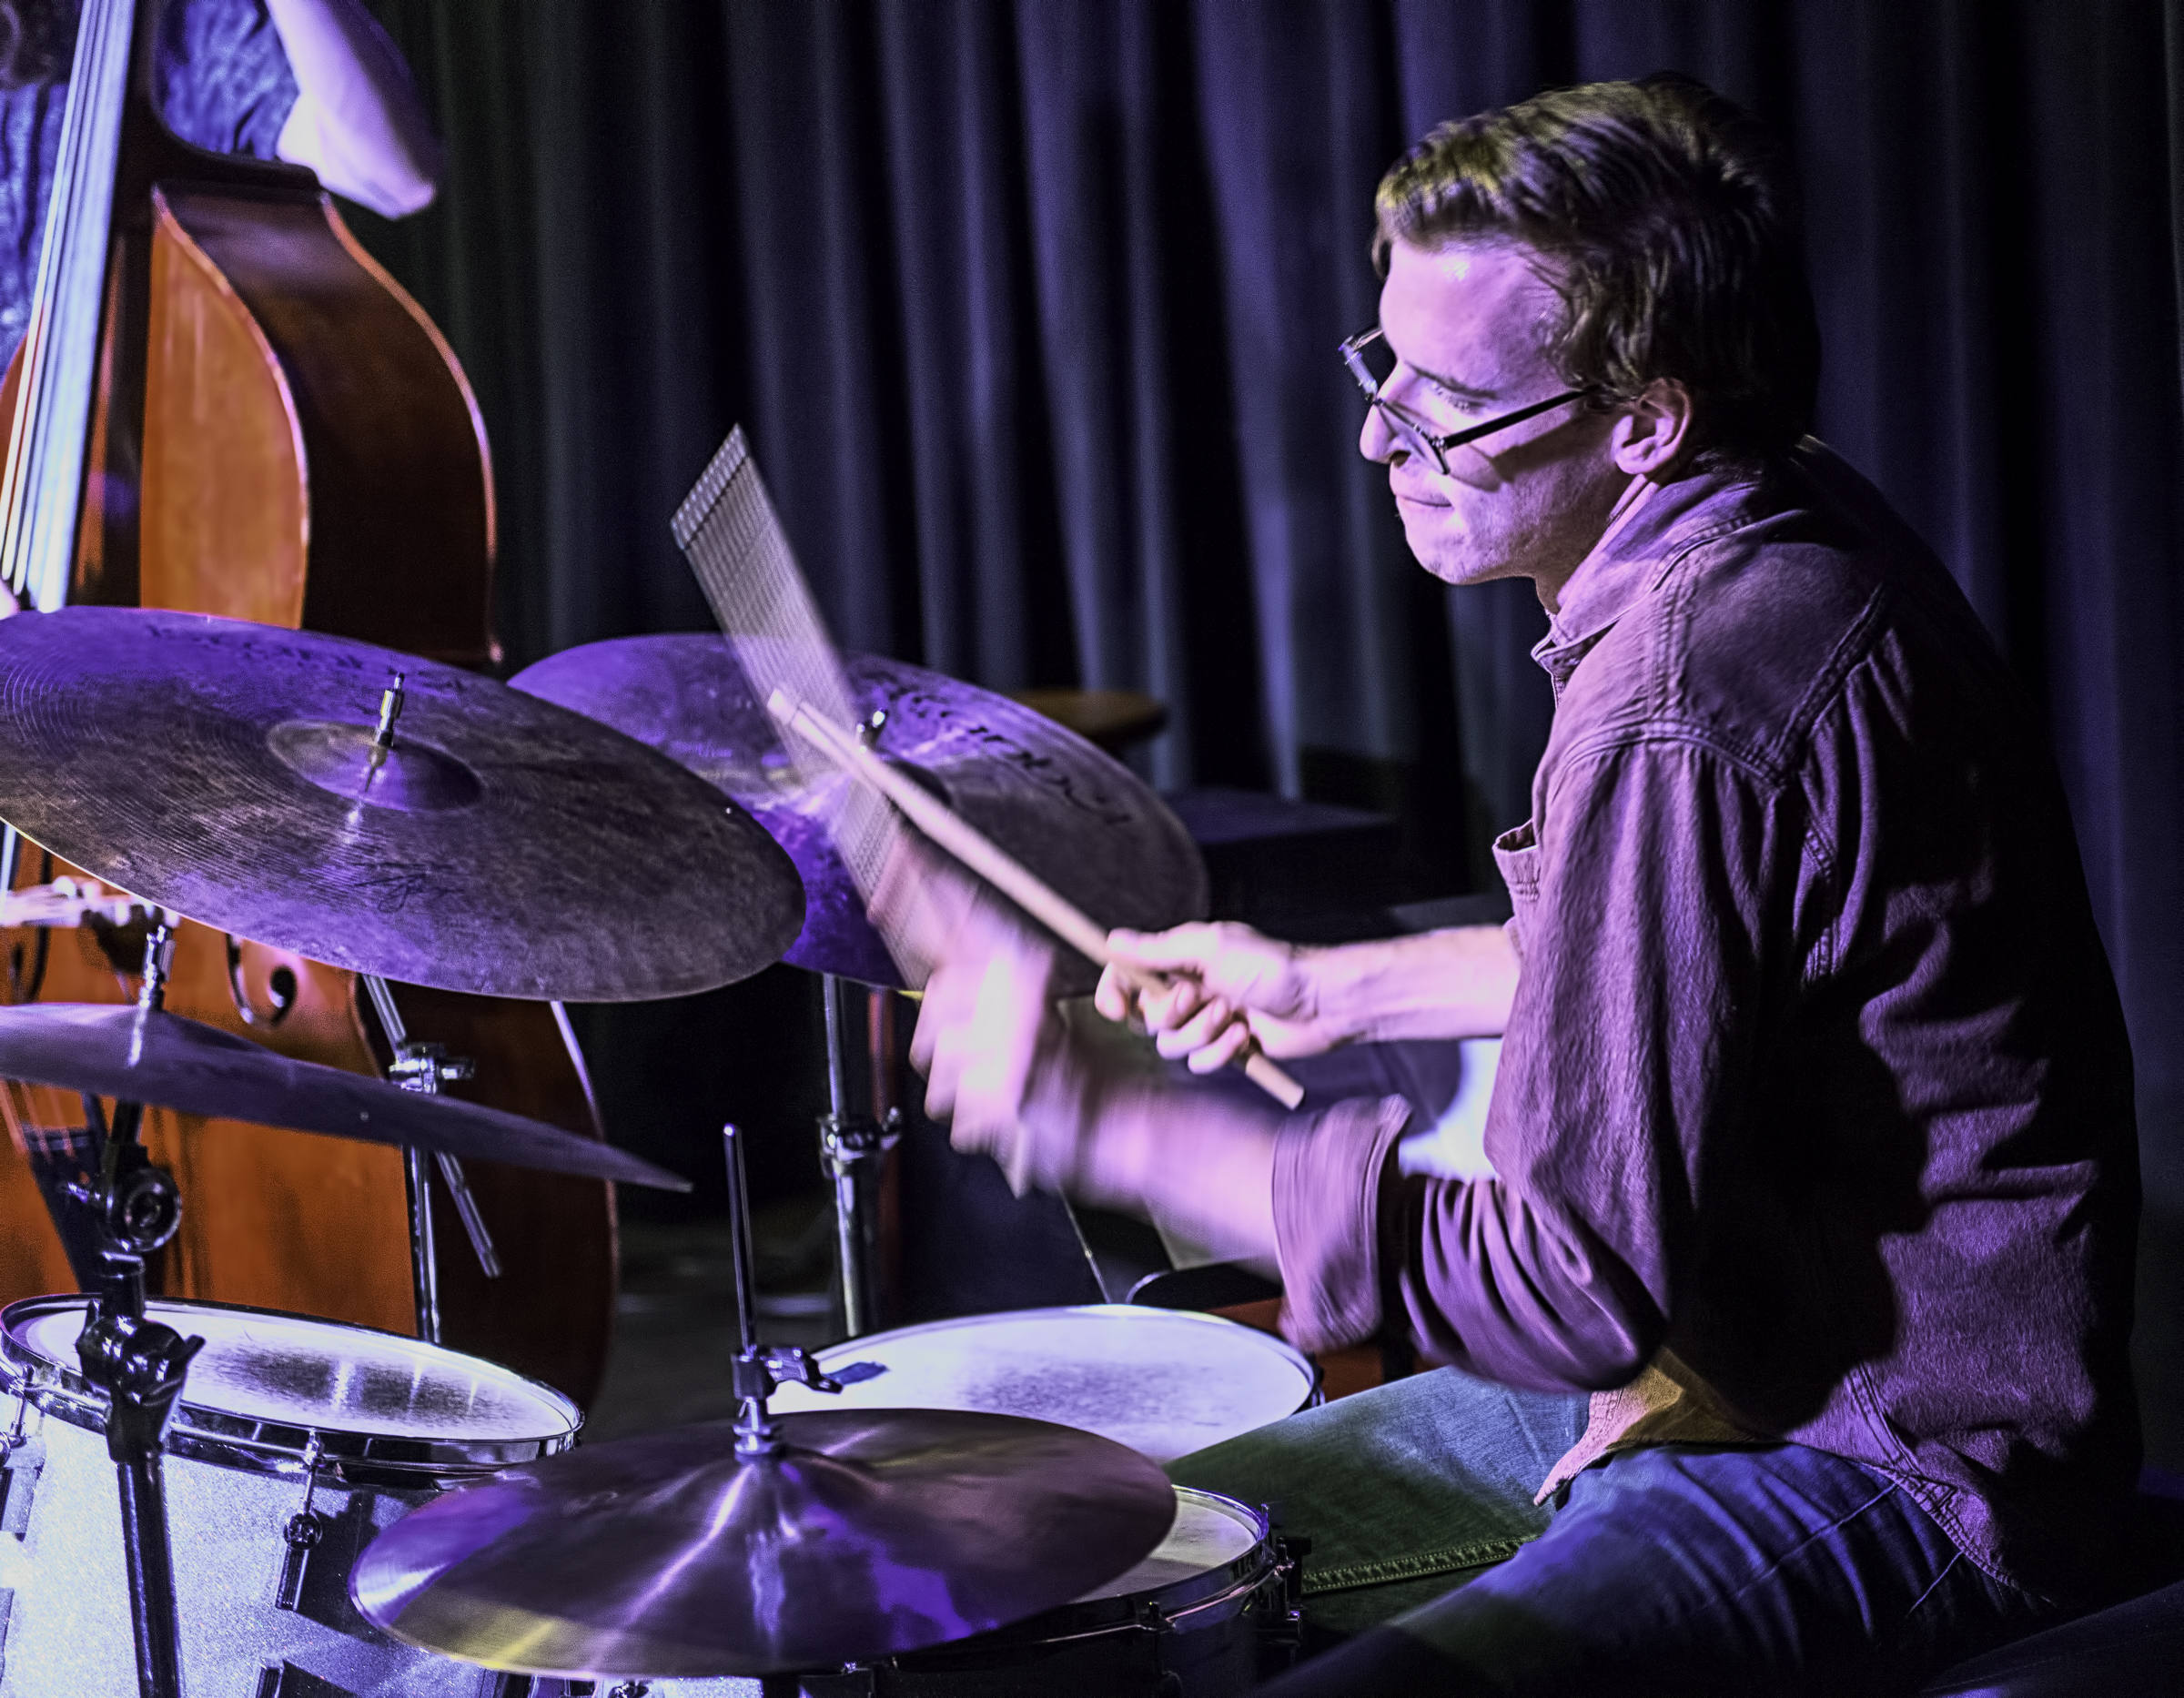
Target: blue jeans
[[1678, 1569]]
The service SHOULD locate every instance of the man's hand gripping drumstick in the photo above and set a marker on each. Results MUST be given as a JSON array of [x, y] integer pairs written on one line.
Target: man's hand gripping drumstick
[[949, 831]]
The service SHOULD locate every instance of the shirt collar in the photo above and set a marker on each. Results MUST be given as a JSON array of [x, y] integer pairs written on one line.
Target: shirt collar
[[1632, 558]]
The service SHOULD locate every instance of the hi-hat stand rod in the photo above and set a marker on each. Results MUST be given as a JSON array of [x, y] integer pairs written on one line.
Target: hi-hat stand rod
[[755, 1369]]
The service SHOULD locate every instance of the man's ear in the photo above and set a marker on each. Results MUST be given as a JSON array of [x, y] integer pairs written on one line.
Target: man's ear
[[1655, 431]]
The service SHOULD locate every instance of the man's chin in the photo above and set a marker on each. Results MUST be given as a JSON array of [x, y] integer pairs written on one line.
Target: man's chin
[[1455, 559]]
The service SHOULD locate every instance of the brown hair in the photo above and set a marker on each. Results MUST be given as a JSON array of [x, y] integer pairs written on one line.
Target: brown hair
[[1672, 235]]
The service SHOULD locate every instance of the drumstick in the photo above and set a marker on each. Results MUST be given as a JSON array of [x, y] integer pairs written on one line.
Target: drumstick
[[995, 864]]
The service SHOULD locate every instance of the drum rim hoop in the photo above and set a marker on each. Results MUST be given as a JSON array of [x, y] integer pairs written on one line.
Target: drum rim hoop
[[199, 1432], [1242, 1575], [1266, 1342]]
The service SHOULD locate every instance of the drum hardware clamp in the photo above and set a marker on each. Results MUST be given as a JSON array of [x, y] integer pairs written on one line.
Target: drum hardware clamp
[[424, 1069], [139, 1364], [756, 1369], [854, 1147]]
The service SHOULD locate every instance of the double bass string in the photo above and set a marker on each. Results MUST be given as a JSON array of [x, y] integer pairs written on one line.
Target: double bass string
[[41, 495]]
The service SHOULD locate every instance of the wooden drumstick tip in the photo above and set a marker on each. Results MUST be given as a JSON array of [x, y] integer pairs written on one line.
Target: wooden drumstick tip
[[1264, 1072]]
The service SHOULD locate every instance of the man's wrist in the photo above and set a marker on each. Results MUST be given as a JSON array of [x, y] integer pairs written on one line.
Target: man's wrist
[[1335, 978]]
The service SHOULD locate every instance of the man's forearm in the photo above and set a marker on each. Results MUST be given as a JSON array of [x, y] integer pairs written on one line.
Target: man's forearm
[[1457, 983], [1198, 1164]]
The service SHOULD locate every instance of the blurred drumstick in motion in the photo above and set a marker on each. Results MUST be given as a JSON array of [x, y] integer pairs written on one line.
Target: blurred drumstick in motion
[[951, 833], [730, 533]]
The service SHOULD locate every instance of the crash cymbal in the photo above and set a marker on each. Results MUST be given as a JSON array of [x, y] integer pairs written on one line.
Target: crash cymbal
[[1078, 818], [869, 1532], [503, 847], [163, 1059]]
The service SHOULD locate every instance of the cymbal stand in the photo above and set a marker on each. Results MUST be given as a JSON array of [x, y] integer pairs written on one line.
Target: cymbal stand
[[757, 1369], [855, 1146], [139, 1363], [424, 1069]]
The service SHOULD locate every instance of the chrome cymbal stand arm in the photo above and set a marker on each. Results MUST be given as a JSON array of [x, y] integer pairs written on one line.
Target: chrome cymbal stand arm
[[756, 1369], [139, 1363], [424, 1069], [854, 1147]]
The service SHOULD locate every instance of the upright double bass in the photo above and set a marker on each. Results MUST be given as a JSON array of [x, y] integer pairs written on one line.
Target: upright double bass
[[224, 405]]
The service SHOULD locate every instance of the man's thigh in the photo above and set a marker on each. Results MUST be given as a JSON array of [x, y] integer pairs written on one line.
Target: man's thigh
[[1404, 1491], [1687, 1571]]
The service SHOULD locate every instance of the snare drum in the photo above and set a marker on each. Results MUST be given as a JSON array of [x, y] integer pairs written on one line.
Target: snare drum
[[1164, 1382], [277, 1408], [1208, 1615]]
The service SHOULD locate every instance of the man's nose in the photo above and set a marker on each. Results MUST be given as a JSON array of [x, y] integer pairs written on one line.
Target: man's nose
[[1377, 440]]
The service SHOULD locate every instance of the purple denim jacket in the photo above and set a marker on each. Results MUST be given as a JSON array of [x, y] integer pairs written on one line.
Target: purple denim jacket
[[1816, 1074]]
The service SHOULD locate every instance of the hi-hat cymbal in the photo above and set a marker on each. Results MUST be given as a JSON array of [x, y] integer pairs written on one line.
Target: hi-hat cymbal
[[1080, 819], [503, 846], [163, 1059], [869, 1532]]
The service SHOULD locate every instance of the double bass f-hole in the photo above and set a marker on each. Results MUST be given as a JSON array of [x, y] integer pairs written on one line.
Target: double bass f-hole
[[280, 988]]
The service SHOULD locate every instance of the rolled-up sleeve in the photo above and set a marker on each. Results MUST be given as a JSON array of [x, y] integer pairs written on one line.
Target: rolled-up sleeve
[[1334, 1183], [1660, 866]]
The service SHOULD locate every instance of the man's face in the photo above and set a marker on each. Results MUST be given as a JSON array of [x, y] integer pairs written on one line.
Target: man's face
[[1465, 324]]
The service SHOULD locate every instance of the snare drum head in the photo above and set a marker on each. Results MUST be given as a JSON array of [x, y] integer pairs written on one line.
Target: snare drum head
[[1210, 1531], [1164, 1382], [319, 1376]]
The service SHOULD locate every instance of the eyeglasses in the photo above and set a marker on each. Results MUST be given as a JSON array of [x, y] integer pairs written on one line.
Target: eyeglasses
[[1411, 433]]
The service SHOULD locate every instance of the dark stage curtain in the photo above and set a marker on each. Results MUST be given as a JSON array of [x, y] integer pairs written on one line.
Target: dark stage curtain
[[1031, 310]]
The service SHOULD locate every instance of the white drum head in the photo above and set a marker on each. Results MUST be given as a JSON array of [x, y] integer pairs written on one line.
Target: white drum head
[[1166, 1382], [319, 1376], [1209, 1532]]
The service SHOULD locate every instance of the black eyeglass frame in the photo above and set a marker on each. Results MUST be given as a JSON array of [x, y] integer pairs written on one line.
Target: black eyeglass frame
[[1353, 357]]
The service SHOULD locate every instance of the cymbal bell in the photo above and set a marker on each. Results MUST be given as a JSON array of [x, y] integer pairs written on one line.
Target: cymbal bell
[[460, 834], [151, 1056], [668, 1555]]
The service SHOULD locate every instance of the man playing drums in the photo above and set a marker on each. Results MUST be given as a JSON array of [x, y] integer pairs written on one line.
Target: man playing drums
[[1787, 1299]]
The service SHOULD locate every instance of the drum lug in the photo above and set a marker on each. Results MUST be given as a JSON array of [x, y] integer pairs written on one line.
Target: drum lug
[[1281, 1639], [302, 1534], [20, 1464]]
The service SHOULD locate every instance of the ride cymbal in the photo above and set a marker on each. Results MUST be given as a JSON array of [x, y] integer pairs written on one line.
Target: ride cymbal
[[1080, 819], [499, 845], [868, 1532], [150, 1057]]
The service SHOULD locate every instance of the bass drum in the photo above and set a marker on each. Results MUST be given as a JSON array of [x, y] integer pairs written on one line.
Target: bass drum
[[295, 1442]]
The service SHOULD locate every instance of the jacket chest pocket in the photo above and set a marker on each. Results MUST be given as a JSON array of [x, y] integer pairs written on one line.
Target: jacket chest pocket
[[1517, 854]]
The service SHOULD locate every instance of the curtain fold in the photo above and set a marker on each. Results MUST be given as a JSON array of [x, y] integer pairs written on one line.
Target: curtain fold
[[1032, 307]]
